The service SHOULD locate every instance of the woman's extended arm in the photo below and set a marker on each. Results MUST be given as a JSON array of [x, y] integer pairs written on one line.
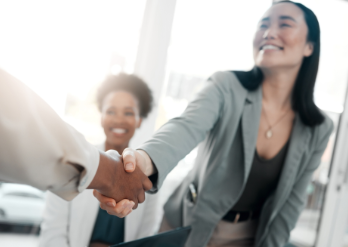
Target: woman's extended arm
[[37, 147], [174, 140]]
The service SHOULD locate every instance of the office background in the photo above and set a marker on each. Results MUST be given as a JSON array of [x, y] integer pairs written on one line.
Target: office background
[[63, 50]]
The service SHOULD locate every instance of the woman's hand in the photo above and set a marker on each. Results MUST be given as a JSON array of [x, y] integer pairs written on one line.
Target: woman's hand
[[120, 209], [113, 184], [131, 159], [140, 158]]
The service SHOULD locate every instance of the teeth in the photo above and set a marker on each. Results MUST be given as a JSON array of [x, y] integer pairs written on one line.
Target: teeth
[[270, 47], [119, 131]]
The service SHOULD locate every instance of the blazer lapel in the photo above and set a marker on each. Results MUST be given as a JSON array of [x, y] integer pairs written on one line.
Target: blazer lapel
[[298, 141], [83, 213], [133, 223], [250, 126]]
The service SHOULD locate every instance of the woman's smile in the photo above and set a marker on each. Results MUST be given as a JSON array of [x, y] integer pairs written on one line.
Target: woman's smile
[[270, 47], [120, 118], [119, 131], [282, 35]]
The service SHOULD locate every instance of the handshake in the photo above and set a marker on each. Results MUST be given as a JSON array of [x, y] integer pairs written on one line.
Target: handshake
[[121, 180]]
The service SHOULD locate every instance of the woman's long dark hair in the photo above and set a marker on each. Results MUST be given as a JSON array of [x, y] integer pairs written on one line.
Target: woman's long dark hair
[[302, 95]]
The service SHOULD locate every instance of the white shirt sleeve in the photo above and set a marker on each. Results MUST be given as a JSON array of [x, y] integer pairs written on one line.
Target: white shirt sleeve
[[37, 147]]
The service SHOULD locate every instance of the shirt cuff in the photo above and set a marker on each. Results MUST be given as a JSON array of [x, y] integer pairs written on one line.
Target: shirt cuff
[[90, 170]]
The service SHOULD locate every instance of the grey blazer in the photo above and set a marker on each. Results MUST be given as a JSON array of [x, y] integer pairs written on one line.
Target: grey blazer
[[213, 117]]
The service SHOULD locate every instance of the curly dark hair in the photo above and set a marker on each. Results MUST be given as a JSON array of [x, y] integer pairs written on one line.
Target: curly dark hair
[[128, 83]]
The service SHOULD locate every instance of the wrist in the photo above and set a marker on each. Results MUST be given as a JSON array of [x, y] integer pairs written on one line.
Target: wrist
[[149, 166], [100, 181]]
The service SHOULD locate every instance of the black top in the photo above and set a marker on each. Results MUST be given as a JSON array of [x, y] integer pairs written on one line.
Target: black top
[[108, 229], [262, 181]]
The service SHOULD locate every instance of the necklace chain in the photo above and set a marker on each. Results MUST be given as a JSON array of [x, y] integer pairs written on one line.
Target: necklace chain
[[269, 132]]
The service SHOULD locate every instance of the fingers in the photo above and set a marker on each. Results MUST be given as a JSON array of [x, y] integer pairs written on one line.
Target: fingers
[[141, 197], [104, 199], [147, 184], [135, 206], [127, 211], [128, 156], [121, 209]]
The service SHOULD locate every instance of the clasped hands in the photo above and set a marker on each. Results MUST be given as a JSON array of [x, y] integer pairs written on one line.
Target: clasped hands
[[121, 180]]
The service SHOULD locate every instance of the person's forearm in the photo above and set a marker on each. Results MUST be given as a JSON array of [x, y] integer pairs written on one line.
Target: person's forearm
[[49, 153]]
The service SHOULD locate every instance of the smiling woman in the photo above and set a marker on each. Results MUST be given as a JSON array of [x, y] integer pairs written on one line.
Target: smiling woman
[[123, 100]]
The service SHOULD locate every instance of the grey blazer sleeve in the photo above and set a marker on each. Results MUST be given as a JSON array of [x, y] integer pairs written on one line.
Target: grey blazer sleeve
[[285, 221], [180, 135]]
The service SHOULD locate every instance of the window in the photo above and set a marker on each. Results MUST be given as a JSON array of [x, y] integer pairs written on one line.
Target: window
[[207, 36]]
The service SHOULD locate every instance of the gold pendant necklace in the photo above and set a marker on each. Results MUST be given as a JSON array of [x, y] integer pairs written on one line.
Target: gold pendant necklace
[[269, 132]]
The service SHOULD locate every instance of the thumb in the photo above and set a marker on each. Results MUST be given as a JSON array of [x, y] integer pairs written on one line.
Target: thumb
[[128, 156]]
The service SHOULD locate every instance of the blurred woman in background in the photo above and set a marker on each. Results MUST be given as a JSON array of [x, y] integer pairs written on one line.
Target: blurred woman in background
[[124, 101]]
